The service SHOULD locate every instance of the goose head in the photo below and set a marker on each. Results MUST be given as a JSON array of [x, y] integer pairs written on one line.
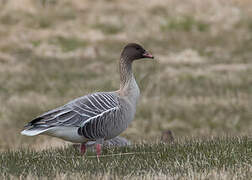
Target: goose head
[[133, 51]]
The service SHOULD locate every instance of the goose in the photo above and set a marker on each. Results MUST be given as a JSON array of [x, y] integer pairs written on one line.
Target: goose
[[98, 116]]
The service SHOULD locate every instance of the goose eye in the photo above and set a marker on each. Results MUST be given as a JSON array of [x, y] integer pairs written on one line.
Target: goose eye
[[137, 48]]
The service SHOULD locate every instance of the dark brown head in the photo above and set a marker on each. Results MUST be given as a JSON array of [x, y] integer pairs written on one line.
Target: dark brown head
[[133, 51]]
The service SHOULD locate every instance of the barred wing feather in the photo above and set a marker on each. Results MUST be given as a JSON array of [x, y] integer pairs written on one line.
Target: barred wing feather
[[78, 112]]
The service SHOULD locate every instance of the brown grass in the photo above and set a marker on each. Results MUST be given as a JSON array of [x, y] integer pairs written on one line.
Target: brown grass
[[214, 174], [54, 51]]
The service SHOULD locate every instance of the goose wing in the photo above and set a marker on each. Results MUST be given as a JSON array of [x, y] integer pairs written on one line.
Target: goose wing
[[78, 112]]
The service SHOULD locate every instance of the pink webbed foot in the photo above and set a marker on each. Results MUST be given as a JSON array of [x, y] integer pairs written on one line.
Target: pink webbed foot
[[83, 148], [98, 149]]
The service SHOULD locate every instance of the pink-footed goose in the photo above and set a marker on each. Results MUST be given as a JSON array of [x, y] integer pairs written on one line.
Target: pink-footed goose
[[95, 117]]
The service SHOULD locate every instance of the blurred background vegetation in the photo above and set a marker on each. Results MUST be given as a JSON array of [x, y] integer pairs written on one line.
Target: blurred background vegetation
[[52, 51]]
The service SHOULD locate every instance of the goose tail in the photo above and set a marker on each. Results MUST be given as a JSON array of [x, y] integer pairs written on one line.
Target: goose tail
[[33, 131]]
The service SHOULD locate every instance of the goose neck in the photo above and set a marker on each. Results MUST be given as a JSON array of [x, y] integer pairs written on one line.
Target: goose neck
[[126, 75], [128, 85]]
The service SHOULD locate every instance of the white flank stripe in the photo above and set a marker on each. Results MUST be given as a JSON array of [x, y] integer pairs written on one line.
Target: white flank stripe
[[98, 115]]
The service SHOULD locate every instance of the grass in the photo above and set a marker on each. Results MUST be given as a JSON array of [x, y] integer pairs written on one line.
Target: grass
[[228, 155], [108, 28], [68, 44], [186, 23], [199, 84]]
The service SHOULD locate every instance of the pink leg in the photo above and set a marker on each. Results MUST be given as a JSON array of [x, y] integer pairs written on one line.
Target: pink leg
[[83, 148], [98, 149]]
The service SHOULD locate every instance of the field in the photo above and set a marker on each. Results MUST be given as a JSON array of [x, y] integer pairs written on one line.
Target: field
[[199, 86], [216, 158]]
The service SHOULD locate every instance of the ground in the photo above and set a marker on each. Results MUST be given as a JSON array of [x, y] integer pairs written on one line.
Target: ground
[[199, 86]]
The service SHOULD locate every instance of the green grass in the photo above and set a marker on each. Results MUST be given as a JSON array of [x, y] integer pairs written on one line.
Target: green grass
[[199, 84], [68, 44], [108, 28], [184, 23], [178, 159]]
